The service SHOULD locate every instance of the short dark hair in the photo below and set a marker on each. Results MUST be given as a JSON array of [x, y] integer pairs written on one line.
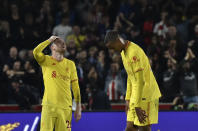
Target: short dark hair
[[110, 36]]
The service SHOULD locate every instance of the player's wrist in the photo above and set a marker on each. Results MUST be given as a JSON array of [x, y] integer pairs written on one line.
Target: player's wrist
[[78, 106], [49, 40]]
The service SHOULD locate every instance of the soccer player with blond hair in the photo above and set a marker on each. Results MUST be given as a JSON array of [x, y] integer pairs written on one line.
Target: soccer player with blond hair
[[60, 76]]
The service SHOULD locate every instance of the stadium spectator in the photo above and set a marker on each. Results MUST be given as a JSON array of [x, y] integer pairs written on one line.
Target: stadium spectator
[[188, 83], [5, 35], [150, 16], [92, 37], [63, 7], [30, 76], [170, 83], [30, 55], [173, 48], [15, 71], [4, 85], [114, 83], [161, 28], [63, 29], [154, 47], [16, 28], [81, 78], [101, 64], [92, 55], [93, 83], [188, 78], [71, 50], [129, 12], [180, 22], [30, 58], [4, 10], [83, 67], [30, 73], [100, 100], [82, 58], [23, 56], [20, 95], [13, 56], [104, 25], [172, 33], [193, 43], [157, 67], [45, 20], [30, 31], [77, 37]]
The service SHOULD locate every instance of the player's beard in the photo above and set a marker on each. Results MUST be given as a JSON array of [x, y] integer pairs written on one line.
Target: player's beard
[[61, 51]]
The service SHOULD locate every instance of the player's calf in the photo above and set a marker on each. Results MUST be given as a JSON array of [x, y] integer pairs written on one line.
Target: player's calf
[[130, 127]]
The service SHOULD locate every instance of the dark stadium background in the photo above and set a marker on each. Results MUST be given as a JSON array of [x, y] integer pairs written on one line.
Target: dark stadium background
[[167, 30]]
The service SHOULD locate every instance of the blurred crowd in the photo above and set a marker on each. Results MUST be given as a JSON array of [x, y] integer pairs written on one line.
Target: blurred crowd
[[167, 30]]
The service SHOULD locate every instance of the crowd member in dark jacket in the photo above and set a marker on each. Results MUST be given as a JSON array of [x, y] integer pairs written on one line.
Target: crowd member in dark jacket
[[188, 78], [20, 95], [100, 100], [170, 87]]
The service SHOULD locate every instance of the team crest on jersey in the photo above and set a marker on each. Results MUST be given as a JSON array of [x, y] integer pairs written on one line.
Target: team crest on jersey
[[67, 69], [135, 59]]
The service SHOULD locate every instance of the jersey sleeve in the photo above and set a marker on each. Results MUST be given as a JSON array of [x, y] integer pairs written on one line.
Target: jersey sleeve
[[74, 83], [129, 89], [38, 52], [136, 63]]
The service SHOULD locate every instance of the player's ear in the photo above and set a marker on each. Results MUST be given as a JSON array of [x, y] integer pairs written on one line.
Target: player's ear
[[121, 40], [52, 46]]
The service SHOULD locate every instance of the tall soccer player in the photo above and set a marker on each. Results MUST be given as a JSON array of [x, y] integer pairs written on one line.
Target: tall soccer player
[[59, 76], [142, 96]]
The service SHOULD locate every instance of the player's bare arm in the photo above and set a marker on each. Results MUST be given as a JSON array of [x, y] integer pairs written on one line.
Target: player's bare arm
[[77, 113], [76, 92], [128, 94], [141, 114], [127, 106], [38, 51]]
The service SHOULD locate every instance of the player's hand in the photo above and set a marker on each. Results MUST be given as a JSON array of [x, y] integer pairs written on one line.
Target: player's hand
[[141, 114], [53, 38], [77, 113], [127, 106]]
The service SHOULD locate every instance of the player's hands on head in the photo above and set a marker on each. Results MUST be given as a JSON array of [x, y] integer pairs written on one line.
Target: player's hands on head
[[77, 113], [141, 114], [53, 38]]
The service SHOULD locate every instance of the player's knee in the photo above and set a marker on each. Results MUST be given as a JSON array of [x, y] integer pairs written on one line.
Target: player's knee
[[130, 126], [145, 128]]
